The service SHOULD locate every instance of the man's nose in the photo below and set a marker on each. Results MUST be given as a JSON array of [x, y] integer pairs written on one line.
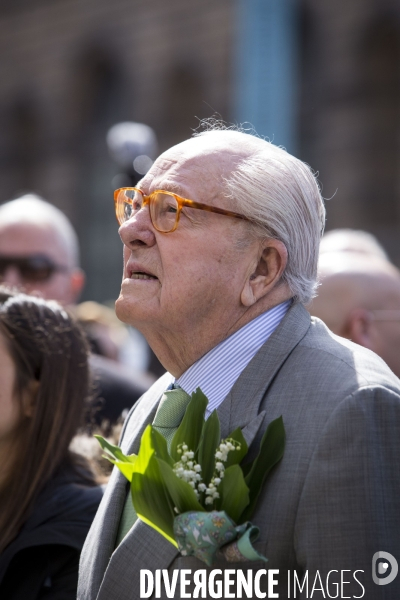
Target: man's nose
[[138, 230]]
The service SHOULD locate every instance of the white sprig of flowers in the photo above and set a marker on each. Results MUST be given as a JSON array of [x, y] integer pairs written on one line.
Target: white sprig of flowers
[[190, 471]]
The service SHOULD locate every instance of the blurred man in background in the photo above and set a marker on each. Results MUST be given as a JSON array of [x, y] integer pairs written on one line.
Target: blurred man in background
[[39, 250], [359, 298], [39, 253], [352, 240]]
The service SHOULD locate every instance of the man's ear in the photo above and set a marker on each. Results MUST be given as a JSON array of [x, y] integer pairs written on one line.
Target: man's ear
[[266, 273], [29, 398], [357, 328]]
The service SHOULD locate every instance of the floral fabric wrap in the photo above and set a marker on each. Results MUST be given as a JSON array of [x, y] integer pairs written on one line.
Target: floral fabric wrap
[[203, 534]]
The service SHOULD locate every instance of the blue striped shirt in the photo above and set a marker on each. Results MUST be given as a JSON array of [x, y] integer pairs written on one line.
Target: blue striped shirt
[[217, 371]]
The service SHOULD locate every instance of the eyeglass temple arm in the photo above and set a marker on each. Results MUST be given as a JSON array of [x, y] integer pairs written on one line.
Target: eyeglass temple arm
[[206, 207]]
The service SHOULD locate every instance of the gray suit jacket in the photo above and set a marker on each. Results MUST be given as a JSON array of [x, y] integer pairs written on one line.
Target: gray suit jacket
[[331, 503]]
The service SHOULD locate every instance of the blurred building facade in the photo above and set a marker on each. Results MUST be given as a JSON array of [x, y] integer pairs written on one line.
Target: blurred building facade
[[320, 77], [349, 119], [69, 69]]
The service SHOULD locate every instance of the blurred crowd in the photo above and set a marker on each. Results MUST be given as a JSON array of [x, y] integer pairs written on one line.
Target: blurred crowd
[[91, 370], [70, 370]]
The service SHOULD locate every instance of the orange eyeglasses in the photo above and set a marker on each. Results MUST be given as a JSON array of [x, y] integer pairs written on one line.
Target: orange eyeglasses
[[165, 207]]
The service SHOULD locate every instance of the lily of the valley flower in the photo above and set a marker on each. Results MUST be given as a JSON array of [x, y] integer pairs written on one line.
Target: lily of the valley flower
[[190, 471]]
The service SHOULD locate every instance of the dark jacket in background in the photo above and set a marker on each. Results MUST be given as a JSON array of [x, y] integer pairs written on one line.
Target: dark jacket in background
[[41, 563]]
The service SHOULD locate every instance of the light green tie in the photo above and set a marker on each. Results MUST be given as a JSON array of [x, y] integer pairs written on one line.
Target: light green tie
[[170, 413], [168, 417]]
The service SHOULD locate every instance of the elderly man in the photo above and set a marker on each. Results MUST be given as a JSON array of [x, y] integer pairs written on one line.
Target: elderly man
[[39, 253], [359, 299], [220, 254]]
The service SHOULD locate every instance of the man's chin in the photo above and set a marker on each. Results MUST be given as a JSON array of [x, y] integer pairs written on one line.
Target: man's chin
[[124, 309], [131, 309]]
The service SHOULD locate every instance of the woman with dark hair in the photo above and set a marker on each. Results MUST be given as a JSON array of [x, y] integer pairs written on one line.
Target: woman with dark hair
[[48, 497]]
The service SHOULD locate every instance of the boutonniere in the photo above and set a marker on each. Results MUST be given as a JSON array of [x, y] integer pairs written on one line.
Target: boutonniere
[[200, 493]]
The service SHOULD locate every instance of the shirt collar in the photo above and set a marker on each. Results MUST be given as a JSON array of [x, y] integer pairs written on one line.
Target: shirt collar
[[217, 371]]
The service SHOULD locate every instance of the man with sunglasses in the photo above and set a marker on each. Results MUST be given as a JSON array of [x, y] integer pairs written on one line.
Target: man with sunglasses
[[221, 242], [39, 250]]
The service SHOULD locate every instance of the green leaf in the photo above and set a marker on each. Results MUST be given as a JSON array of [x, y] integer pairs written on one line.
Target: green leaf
[[234, 493], [160, 446], [115, 451], [115, 455], [189, 431], [126, 468], [209, 442], [181, 492], [146, 450], [271, 451], [246, 468], [236, 456], [150, 496], [152, 501]]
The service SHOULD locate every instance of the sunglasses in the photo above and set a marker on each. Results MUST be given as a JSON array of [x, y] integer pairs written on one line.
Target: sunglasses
[[34, 268]]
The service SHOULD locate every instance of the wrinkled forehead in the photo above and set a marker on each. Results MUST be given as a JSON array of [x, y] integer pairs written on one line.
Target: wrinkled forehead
[[203, 161]]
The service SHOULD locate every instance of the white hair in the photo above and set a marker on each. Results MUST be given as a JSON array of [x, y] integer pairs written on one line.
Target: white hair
[[33, 209], [280, 194]]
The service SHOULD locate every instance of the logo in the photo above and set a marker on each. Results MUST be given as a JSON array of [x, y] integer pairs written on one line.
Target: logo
[[384, 568]]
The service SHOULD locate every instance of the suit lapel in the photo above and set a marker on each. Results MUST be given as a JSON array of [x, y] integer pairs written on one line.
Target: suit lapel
[[130, 442], [102, 535], [142, 547], [241, 407]]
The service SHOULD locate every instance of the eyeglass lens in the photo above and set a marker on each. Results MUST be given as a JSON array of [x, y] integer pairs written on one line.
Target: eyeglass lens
[[164, 211], [31, 268], [163, 208]]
